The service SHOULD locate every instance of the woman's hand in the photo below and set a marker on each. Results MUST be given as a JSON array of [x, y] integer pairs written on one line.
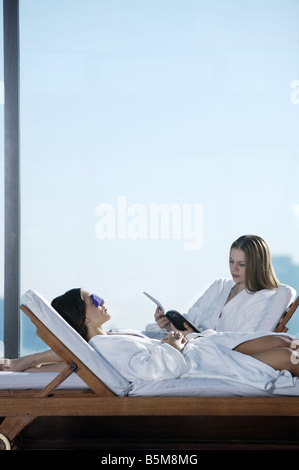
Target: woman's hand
[[187, 330], [176, 340], [161, 320]]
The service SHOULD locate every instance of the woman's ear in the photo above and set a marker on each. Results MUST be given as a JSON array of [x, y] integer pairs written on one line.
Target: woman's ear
[[86, 321]]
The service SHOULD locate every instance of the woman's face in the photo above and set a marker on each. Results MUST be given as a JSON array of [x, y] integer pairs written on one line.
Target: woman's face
[[237, 265], [96, 314]]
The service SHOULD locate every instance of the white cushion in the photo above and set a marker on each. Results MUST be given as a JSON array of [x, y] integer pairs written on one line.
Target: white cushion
[[37, 381]]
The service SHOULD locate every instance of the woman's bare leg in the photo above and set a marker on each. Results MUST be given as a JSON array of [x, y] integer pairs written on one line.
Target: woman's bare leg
[[264, 343], [277, 351], [280, 359], [30, 362], [56, 367]]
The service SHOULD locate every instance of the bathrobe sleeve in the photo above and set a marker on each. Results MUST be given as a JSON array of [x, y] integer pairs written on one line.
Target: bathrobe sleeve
[[136, 358], [205, 311]]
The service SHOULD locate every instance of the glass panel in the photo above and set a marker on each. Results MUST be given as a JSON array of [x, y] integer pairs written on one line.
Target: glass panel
[[153, 134]]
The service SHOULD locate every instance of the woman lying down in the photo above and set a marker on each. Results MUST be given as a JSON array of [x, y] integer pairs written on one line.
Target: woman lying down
[[262, 360]]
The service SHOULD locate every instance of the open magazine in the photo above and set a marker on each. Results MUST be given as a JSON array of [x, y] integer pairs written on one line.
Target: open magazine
[[176, 318]]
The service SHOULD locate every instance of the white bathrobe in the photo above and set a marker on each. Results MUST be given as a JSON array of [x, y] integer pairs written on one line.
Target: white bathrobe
[[207, 356], [138, 357], [244, 312]]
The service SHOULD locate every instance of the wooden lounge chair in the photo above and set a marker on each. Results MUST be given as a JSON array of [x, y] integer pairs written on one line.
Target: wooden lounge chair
[[20, 408], [281, 327]]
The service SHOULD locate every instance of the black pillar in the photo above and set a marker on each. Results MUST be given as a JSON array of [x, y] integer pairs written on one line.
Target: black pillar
[[11, 172]]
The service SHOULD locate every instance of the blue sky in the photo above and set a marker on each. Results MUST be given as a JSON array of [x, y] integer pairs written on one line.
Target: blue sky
[[160, 102]]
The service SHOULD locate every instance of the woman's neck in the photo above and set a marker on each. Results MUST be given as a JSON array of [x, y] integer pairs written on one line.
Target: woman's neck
[[95, 331], [238, 287]]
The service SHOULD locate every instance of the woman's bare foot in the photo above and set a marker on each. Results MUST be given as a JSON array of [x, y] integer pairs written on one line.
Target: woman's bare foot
[[13, 365]]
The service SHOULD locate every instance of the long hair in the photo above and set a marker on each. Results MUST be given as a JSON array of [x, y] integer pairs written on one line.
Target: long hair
[[71, 307], [259, 272]]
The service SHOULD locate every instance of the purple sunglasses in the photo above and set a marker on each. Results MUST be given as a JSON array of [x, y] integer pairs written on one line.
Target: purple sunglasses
[[96, 300]]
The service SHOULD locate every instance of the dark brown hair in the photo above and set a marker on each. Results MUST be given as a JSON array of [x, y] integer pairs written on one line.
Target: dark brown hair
[[71, 307]]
